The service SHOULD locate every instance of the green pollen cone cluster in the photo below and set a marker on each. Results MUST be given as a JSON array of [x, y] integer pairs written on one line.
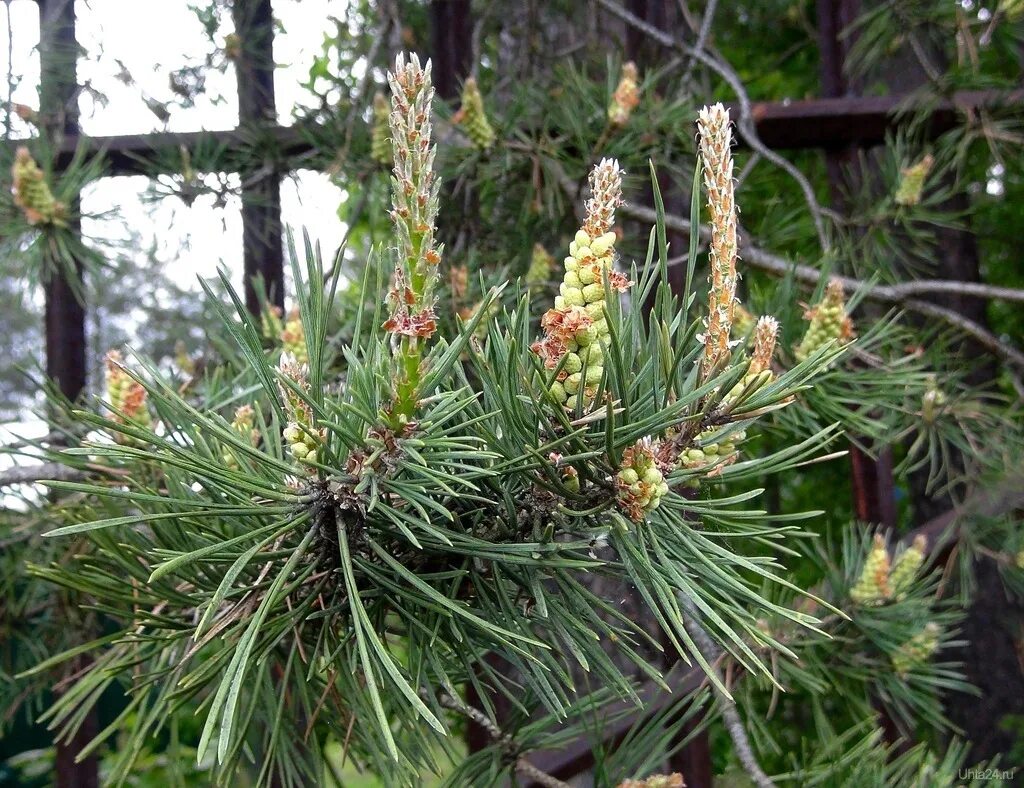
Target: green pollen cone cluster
[[829, 322], [32, 193], [872, 588], [912, 179], [244, 424], [639, 482], [718, 453], [473, 116], [303, 445], [380, 132], [576, 330], [582, 289], [303, 438], [906, 567], [539, 272], [293, 337], [126, 396], [916, 651]]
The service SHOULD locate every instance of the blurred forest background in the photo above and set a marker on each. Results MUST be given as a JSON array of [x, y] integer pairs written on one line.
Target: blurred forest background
[[879, 140]]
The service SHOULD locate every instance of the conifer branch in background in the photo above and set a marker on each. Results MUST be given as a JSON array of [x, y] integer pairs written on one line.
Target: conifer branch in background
[[626, 97], [32, 193], [473, 116]]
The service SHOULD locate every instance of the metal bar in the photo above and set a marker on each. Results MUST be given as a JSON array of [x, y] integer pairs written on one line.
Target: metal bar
[[262, 245], [821, 123]]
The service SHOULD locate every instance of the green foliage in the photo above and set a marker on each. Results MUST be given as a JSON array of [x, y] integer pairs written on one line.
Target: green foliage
[[323, 611], [384, 574]]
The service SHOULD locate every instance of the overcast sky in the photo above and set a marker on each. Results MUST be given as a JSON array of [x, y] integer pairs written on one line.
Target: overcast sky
[[147, 39]]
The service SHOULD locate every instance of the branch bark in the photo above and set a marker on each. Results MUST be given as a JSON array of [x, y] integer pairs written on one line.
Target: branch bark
[[523, 766], [28, 474], [897, 295], [730, 716]]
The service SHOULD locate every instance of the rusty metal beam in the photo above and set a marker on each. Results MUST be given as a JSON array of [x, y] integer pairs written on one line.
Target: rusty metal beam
[[830, 123], [820, 123]]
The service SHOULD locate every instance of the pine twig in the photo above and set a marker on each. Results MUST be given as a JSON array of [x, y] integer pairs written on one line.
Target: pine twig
[[523, 766], [702, 35], [730, 716], [498, 736], [900, 295], [745, 122], [27, 474]]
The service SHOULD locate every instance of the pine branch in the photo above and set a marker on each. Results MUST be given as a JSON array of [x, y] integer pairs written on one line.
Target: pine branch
[[730, 716], [904, 290], [900, 294], [27, 474], [893, 294], [745, 122], [498, 736]]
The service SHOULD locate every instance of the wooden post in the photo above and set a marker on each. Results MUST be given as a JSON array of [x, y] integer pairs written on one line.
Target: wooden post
[[263, 248], [693, 760], [65, 313], [451, 49]]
